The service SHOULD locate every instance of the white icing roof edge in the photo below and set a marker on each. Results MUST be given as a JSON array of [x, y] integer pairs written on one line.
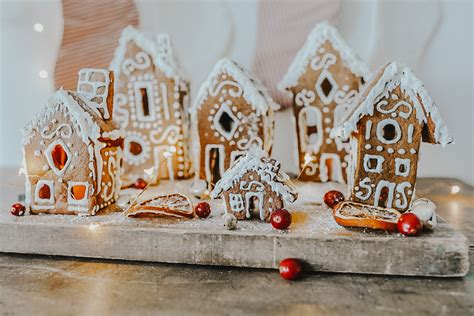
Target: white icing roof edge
[[253, 90], [252, 160], [321, 33], [61, 100], [396, 74], [152, 46]]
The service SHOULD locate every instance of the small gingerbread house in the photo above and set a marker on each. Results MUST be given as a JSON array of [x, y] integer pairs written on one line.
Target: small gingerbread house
[[390, 118], [255, 186], [73, 149], [151, 105], [233, 112], [323, 78]]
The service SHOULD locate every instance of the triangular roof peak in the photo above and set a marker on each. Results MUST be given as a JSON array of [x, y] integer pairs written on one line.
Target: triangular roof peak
[[385, 80], [158, 47], [253, 90], [268, 169], [321, 33]]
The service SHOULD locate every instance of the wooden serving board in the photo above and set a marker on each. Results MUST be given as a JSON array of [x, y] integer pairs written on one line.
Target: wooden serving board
[[313, 237]]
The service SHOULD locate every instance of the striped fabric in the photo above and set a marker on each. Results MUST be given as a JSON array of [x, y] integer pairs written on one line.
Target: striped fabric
[[282, 29], [91, 32]]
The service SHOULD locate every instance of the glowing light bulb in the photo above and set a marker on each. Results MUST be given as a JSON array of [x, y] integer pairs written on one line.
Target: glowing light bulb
[[94, 226], [455, 189], [43, 74], [38, 27]]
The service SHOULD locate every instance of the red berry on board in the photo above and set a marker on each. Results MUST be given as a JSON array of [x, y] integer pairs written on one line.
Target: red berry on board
[[140, 184], [333, 197], [203, 210], [280, 219], [290, 269], [17, 209], [409, 224]]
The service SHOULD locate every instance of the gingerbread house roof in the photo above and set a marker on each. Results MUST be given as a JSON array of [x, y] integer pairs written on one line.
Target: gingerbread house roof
[[268, 169], [387, 78], [253, 90], [159, 48], [321, 33], [89, 125]]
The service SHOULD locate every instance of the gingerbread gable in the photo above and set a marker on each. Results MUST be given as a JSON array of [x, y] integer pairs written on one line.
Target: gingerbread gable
[[254, 93], [322, 33], [159, 49], [268, 170], [391, 76]]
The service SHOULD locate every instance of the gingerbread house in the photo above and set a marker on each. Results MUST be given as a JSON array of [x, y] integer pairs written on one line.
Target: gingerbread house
[[391, 117], [232, 113], [151, 105], [255, 186], [73, 149], [322, 79]]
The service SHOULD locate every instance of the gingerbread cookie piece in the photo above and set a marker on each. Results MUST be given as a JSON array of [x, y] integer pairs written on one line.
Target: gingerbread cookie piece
[[323, 78], [151, 100], [386, 126], [233, 112], [255, 186], [73, 149]]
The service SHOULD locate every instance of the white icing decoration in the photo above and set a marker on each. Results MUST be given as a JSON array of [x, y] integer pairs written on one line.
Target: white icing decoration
[[39, 185], [380, 133], [380, 107], [73, 204], [379, 160], [384, 184], [399, 163], [325, 62], [319, 35], [368, 129], [86, 81], [364, 184], [306, 97], [326, 75], [49, 157], [403, 202], [236, 202], [410, 133], [336, 168], [64, 131]]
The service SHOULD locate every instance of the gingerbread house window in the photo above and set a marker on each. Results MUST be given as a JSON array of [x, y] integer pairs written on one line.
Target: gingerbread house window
[[58, 156], [44, 192], [389, 131], [236, 202], [373, 163], [326, 87], [144, 101], [226, 122], [77, 193], [402, 167]]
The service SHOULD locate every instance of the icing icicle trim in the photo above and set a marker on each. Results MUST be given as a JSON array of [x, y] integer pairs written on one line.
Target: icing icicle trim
[[319, 35]]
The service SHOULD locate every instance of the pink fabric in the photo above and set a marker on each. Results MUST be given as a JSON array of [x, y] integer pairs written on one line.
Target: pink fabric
[[282, 29]]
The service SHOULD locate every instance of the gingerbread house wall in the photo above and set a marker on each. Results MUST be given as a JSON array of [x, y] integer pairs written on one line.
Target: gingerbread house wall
[[321, 107], [58, 131], [388, 164], [165, 124], [237, 197], [250, 127]]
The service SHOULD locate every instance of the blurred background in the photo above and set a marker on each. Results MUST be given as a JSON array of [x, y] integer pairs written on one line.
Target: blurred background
[[43, 42]]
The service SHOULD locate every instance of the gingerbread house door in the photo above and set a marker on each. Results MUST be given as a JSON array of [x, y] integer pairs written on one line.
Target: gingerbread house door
[[254, 205], [165, 164], [330, 168], [310, 129], [214, 163]]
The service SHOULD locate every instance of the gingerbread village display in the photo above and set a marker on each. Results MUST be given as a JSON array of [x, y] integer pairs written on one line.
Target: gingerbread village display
[[371, 140], [324, 77], [151, 105], [73, 149], [233, 111], [255, 186]]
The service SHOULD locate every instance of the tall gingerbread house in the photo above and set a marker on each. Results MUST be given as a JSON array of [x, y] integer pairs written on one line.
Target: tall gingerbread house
[[73, 149], [151, 105], [233, 112], [322, 79], [391, 117]]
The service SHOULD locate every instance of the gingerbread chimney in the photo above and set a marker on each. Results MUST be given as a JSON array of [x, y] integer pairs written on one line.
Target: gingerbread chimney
[[97, 86]]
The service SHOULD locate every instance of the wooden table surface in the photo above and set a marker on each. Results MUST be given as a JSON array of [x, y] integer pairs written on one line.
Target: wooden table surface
[[54, 285]]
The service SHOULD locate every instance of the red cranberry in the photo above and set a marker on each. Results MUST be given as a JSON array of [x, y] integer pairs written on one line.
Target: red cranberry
[[333, 197], [290, 269], [203, 210], [280, 219], [17, 209], [140, 184], [409, 224]]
